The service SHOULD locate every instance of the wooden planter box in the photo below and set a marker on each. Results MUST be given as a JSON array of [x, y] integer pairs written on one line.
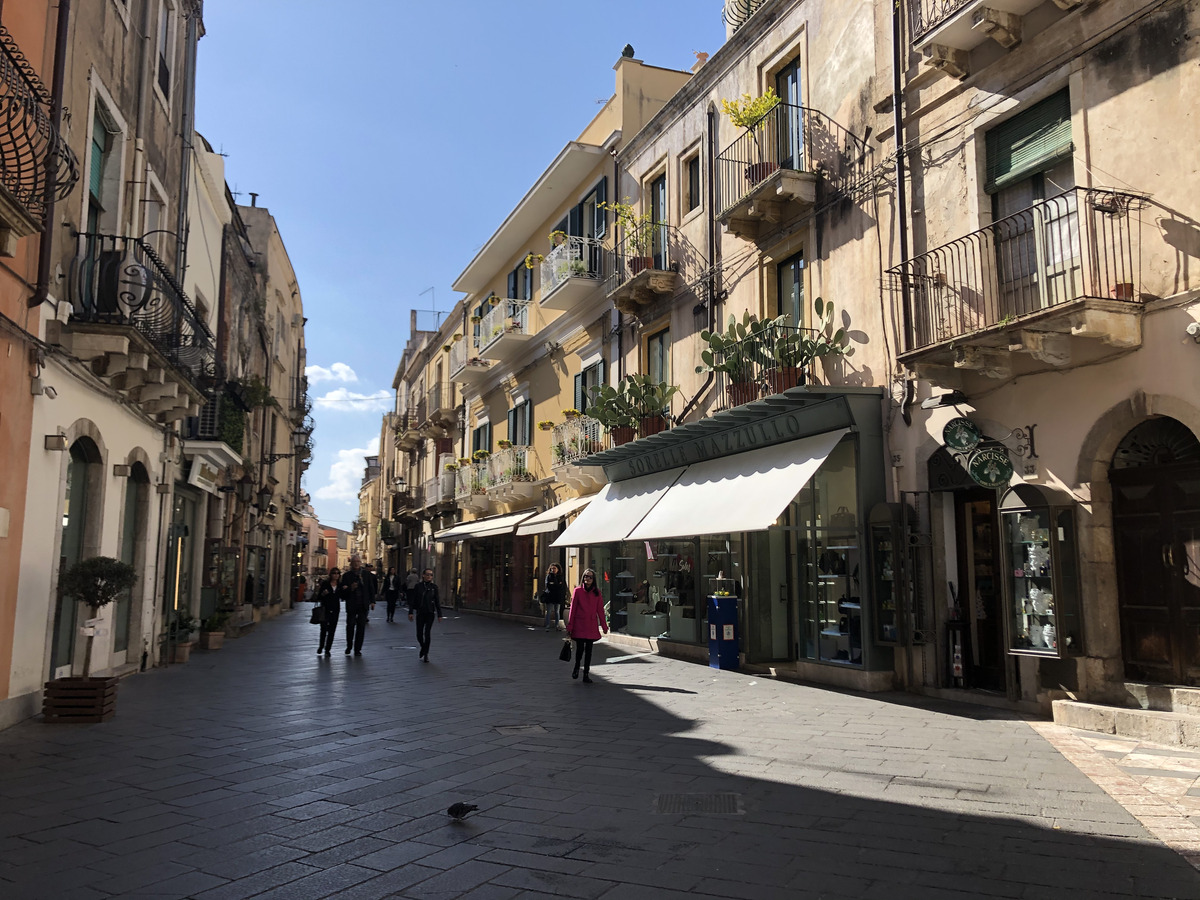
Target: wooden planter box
[[79, 700], [211, 640]]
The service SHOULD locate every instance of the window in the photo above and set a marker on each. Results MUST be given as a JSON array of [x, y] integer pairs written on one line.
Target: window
[[166, 46], [520, 430], [101, 149], [658, 216], [591, 377], [691, 169], [658, 356], [520, 283], [791, 289], [477, 323], [481, 437]]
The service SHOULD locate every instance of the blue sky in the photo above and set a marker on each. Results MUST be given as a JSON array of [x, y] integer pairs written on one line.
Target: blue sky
[[389, 140]]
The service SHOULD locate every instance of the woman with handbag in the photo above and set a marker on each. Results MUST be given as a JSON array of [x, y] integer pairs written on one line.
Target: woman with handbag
[[554, 594], [585, 621], [330, 606]]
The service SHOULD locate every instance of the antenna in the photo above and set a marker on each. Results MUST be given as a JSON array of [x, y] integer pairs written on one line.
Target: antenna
[[437, 316]]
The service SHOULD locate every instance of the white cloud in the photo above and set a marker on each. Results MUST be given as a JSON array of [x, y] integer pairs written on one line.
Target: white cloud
[[337, 372], [349, 401], [345, 475]]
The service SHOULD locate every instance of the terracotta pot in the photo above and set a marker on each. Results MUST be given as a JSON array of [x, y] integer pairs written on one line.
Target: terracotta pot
[[182, 652], [622, 434], [652, 425], [756, 172], [211, 640], [785, 377], [742, 392], [638, 263]]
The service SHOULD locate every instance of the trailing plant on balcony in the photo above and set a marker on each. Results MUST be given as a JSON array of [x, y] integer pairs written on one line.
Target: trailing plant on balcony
[[464, 460], [749, 111], [556, 237], [255, 393], [638, 229]]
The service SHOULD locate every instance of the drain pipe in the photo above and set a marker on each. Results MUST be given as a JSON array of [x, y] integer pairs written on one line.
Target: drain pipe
[[901, 192], [187, 130], [41, 291], [713, 254]]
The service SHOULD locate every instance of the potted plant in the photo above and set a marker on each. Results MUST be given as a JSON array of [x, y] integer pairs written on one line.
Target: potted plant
[[532, 259], [557, 237], [450, 467], [445, 348], [494, 300], [638, 231], [746, 113], [571, 413], [179, 636], [464, 460], [480, 455], [546, 425], [96, 581], [476, 319], [212, 631], [615, 409], [739, 353], [504, 444]]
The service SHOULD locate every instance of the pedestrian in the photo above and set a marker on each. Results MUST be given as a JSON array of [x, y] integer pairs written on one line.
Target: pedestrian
[[554, 594], [410, 583], [391, 592], [585, 621], [358, 592], [425, 604], [327, 595]]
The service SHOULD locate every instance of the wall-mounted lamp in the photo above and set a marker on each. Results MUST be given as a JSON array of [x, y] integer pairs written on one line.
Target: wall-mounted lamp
[[950, 398], [399, 483], [56, 442], [121, 470], [244, 488], [264, 497]]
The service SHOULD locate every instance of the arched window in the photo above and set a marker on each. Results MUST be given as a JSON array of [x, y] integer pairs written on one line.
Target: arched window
[[77, 540]]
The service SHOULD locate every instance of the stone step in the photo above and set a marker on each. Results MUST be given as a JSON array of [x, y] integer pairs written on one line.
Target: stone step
[[1177, 729], [1163, 697]]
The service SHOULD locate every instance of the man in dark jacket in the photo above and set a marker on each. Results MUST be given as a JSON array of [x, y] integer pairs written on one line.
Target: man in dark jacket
[[391, 587], [358, 591], [424, 604]]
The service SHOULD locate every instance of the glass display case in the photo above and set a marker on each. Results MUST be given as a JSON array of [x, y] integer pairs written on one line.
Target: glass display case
[[839, 600], [1041, 572], [886, 536]]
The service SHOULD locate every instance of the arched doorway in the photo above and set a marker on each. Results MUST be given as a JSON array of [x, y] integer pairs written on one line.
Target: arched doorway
[[1155, 477], [80, 515], [133, 551]]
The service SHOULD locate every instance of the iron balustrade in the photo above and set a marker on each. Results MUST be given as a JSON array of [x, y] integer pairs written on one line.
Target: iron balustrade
[[1081, 244], [575, 257], [768, 362], [737, 12], [926, 15], [576, 438], [471, 480], [511, 464], [36, 165], [121, 281], [440, 397], [506, 317], [465, 352], [402, 504], [653, 245], [795, 138], [433, 491]]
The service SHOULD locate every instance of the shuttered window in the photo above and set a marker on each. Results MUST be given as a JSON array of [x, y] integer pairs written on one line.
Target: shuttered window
[[519, 422], [481, 437], [589, 378], [99, 151], [1029, 143], [600, 195]]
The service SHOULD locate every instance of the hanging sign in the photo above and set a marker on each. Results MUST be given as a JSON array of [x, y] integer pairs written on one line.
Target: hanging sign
[[961, 434], [990, 466]]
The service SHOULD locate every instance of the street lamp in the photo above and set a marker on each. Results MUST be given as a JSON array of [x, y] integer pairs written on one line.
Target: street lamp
[[399, 484], [264, 497]]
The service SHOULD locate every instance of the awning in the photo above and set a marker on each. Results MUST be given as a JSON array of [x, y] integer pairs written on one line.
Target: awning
[[479, 528], [617, 509], [548, 519], [743, 492]]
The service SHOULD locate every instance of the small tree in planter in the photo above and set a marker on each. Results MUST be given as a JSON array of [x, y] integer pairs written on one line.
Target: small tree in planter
[[97, 581], [212, 631], [747, 113], [638, 231]]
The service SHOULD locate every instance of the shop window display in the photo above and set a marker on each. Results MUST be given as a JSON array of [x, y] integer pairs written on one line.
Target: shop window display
[[656, 587]]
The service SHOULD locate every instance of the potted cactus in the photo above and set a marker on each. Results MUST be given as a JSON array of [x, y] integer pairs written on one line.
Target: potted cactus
[[739, 352]]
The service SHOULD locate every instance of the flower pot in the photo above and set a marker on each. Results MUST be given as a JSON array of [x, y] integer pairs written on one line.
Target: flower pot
[[622, 434], [638, 263], [756, 172], [79, 700], [545, 427], [212, 640], [652, 425], [742, 392], [785, 377], [182, 652]]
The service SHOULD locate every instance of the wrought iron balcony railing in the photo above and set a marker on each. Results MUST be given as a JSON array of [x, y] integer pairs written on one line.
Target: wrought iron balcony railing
[[738, 12], [795, 138], [121, 281], [36, 165], [654, 246], [511, 465], [439, 397], [576, 438], [471, 481], [1082, 244], [464, 353], [575, 257], [926, 15], [769, 362], [506, 317]]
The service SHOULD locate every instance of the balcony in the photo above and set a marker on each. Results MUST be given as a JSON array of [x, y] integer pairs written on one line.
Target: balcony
[[504, 331], [512, 475], [36, 165], [470, 486], [466, 364], [1055, 285], [439, 490], [440, 413], [408, 431], [573, 272], [646, 267], [945, 31], [572, 441], [404, 505], [793, 158], [770, 362], [135, 327]]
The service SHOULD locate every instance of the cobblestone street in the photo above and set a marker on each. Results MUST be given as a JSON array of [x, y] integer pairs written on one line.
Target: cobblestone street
[[262, 770]]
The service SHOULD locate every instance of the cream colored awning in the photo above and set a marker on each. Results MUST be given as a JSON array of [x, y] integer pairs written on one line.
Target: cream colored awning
[[617, 509], [489, 527], [548, 519]]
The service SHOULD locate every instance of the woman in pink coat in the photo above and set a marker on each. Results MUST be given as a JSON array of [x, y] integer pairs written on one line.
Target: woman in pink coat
[[585, 622]]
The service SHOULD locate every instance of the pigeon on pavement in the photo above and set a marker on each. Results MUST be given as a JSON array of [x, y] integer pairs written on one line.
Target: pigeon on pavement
[[461, 810]]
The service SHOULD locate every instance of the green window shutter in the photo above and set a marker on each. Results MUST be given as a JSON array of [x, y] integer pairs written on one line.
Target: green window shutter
[[99, 144], [1029, 143], [580, 397], [600, 224], [512, 426]]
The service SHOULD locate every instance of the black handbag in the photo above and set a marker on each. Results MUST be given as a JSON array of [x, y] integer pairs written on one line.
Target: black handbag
[[318, 615], [565, 653]]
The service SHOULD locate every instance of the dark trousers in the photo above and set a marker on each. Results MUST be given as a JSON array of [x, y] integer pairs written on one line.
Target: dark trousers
[[391, 606], [424, 632], [583, 653], [356, 627], [328, 630]]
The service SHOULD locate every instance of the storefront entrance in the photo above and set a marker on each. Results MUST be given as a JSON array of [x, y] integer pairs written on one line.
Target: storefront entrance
[[979, 601], [1156, 533]]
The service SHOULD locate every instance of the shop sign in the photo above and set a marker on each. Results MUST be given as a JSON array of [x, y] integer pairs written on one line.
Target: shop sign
[[961, 434], [990, 467], [204, 474]]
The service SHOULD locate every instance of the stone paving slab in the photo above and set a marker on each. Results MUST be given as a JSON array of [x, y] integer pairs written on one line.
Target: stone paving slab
[[263, 771]]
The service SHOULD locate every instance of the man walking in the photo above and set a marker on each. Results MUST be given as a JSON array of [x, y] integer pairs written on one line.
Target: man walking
[[425, 605], [359, 593], [391, 592]]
